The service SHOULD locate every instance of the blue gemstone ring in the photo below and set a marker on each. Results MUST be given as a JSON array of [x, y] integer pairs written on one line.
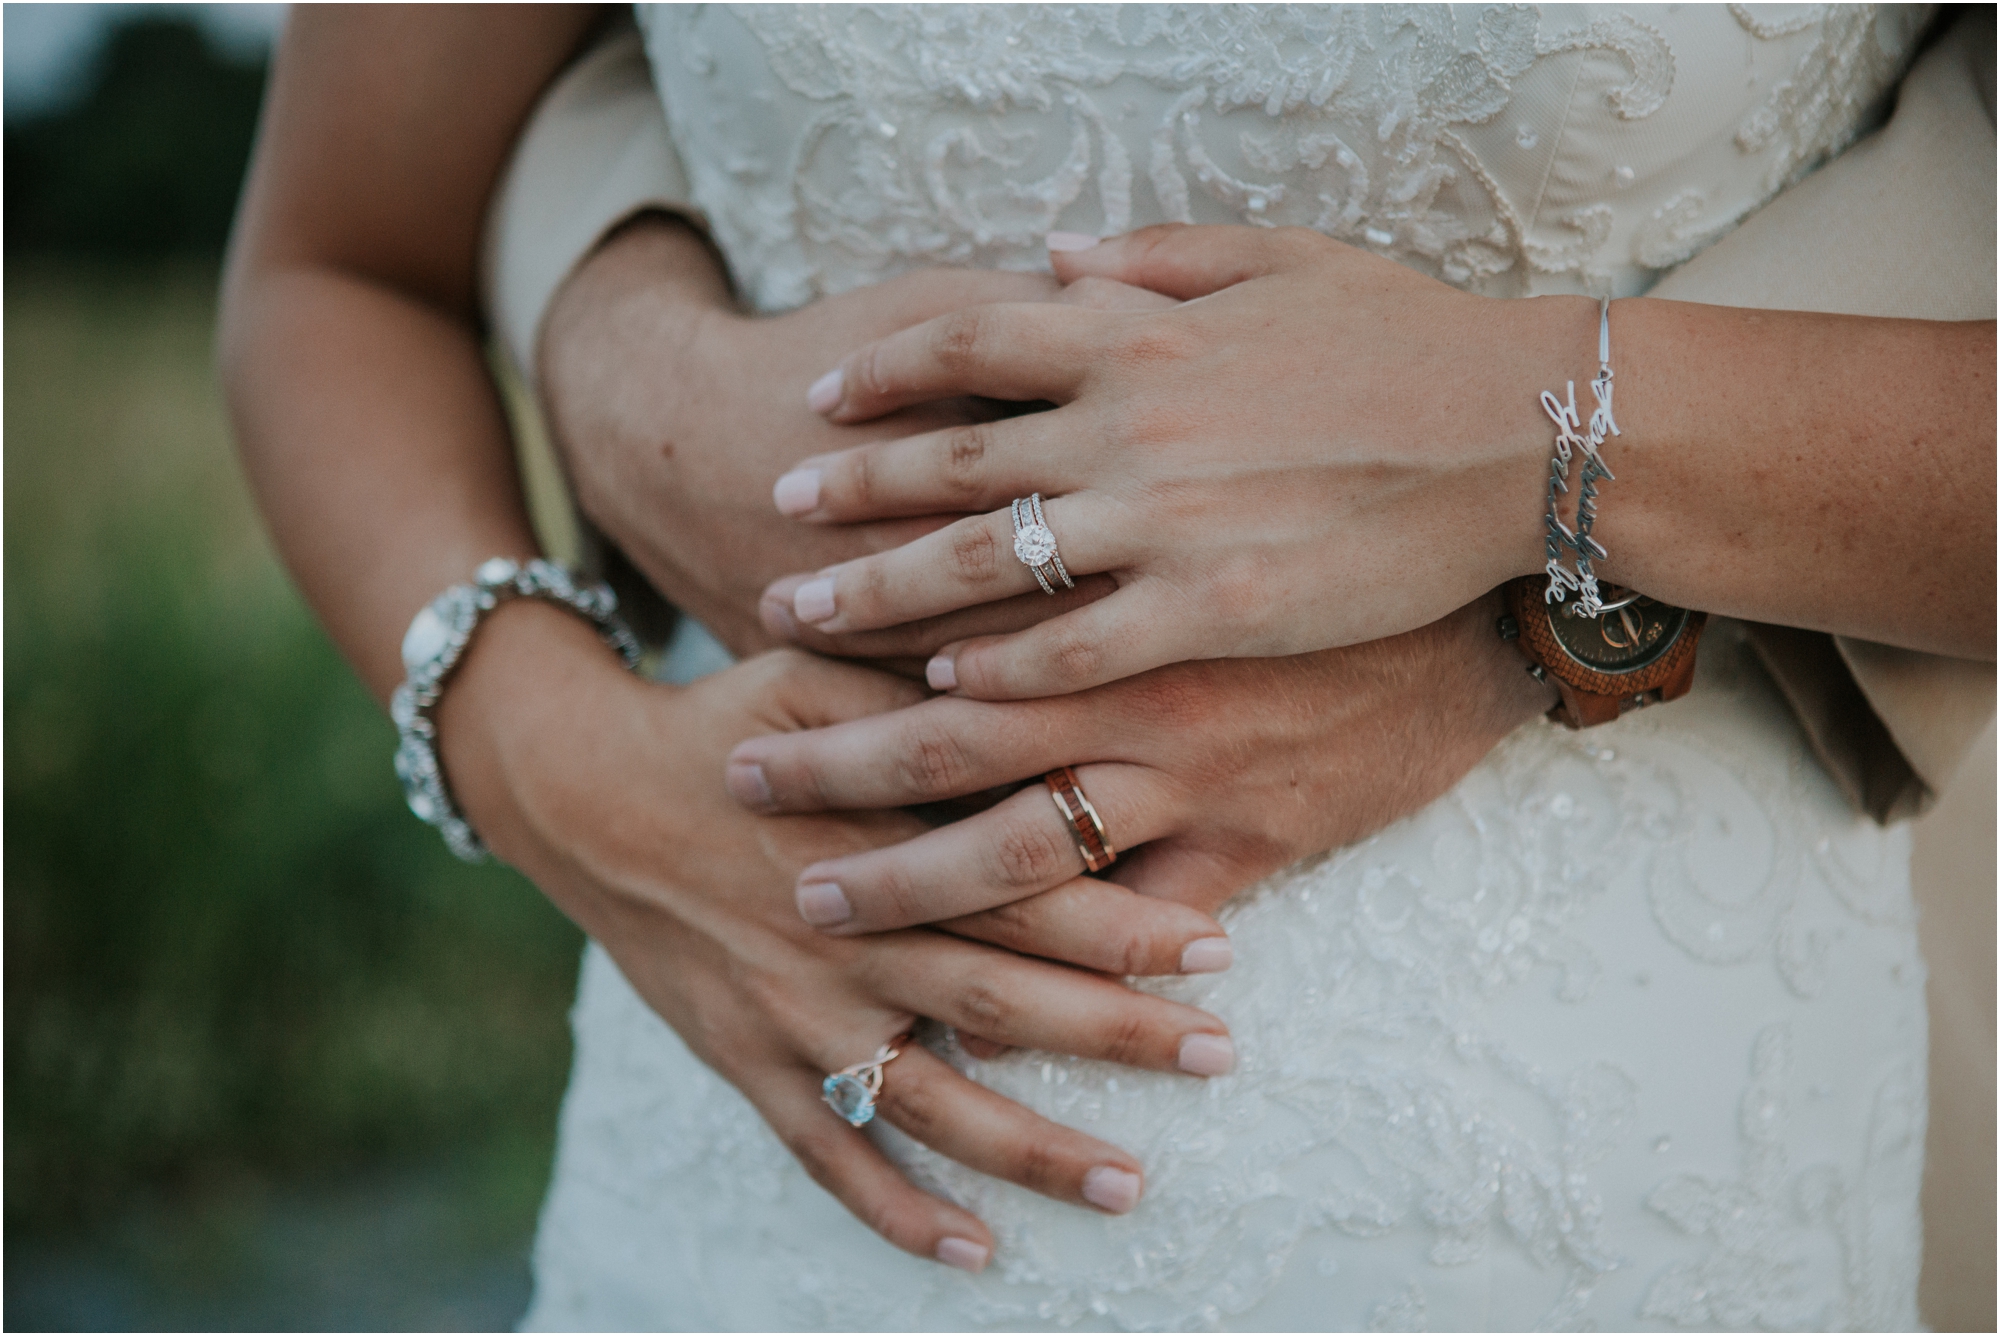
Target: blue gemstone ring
[[851, 1091]]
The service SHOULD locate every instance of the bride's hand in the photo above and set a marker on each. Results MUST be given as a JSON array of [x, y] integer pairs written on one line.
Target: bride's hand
[[1324, 449], [676, 413], [605, 790], [1207, 775]]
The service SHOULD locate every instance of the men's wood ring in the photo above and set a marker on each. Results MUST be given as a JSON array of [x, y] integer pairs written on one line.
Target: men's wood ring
[[1085, 826]]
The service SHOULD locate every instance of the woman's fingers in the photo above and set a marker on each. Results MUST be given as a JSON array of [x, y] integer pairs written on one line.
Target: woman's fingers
[[923, 638], [925, 1098], [1016, 848], [848, 1165], [1181, 261], [970, 562], [974, 466], [1099, 926], [1033, 1004], [1017, 351]]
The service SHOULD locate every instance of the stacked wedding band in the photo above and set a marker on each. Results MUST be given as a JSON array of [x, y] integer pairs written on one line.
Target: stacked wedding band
[[1085, 826], [1035, 545], [434, 644]]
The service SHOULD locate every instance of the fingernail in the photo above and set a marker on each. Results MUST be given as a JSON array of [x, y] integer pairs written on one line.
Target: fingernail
[[824, 393], [963, 1254], [1110, 1189], [797, 492], [1204, 955], [822, 904], [746, 783], [1201, 1054], [941, 673], [1069, 241], [814, 601]]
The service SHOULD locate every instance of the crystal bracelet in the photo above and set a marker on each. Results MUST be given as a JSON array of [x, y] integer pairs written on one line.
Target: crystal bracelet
[[1569, 440], [433, 646]]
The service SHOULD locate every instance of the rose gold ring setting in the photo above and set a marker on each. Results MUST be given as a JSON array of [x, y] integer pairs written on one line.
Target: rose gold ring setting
[[1085, 826], [851, 1091]]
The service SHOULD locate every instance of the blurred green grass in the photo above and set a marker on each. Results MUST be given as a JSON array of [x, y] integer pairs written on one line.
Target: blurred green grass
[[233, 960]]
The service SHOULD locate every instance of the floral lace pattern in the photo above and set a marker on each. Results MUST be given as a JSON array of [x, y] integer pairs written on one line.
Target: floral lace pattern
[[1488, 1077], [1508, 149]]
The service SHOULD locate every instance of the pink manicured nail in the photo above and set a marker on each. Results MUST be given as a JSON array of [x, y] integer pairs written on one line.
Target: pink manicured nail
[[963, 1254], [1204, 955], [824, 394], [1069, 241], [1204, 1054], [823, 904], [941, 673], [797, 492], [1110, 1189], [746, 783], [814, 601]]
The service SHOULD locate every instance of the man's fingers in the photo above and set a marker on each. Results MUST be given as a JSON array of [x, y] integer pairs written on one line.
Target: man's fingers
[[944, 748], [1098, 926], [848, 1165], [1181, 261], [1017, 351], [1016, 848], [925, 1098]]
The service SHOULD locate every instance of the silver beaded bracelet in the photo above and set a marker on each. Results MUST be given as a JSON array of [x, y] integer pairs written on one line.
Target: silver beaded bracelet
[[1568, 440], [433, 646]]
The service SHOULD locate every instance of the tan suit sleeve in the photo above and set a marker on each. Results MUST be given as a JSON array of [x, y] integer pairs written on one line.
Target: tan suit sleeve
[[1902, 224]]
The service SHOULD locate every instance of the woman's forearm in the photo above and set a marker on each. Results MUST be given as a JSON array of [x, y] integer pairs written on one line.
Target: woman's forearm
[[1828, 472]]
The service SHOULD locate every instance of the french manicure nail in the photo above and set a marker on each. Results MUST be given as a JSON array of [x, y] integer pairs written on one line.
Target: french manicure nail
[[814, 601], [746, 783], [797, 492], [1110, 1189], [1204, 955], [824, 394], [823, 904], [963, 1254], [1069, 241], [1204, 1054], [941, 673]]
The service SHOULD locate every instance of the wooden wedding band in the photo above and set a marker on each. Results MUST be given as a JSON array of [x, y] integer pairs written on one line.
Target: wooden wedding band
[[1085, 827]]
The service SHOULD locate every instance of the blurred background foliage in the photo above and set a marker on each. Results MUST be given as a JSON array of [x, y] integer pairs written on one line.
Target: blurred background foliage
[[260, 1026]]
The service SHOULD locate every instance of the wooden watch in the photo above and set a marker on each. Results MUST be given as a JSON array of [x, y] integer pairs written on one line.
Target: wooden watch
[[1639, 652]]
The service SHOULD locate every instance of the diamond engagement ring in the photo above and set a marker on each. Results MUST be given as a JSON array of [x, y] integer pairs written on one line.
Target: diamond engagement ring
[[851, 1091], [1035, 545]]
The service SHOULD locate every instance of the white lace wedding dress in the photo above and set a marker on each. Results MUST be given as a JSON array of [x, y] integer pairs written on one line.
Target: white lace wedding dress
[[1628, 1029]]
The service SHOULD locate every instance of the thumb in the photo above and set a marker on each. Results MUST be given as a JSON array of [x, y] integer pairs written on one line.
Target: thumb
[[818, 693], [1181, 261]]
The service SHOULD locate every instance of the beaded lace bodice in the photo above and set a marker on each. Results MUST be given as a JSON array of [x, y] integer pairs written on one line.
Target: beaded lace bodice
[[1627, 1030], [1509, 149]]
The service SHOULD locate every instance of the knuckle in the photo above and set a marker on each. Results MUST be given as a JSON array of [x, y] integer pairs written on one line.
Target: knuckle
[[974, 552], [964, 456], [935, 765], [1037, 1163], [1075, 660], [958, 340], [1150, 343], [983, 1008], [1027, 854], [1126, 1040], [915, 1107]]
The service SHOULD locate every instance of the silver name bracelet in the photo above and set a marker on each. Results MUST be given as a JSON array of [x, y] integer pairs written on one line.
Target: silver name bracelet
[[1569, 440], [432, 648]]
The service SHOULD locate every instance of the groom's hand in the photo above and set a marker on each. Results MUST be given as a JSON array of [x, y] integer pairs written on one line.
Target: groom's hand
[[676, 414], [1207, 775]]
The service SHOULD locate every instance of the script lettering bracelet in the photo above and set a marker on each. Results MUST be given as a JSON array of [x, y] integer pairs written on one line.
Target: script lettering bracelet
[[1570, 439], [434, 644]]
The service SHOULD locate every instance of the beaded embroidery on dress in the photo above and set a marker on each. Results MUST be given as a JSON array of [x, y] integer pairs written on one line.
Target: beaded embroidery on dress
[[1628, 1029]]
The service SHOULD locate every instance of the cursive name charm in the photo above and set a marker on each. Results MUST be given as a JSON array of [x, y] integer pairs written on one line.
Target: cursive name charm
[[1572, 437]]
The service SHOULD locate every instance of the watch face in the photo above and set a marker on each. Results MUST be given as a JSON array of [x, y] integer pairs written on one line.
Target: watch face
[[1633, 632]]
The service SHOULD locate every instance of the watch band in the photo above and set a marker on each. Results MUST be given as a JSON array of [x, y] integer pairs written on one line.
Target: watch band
[[434, 644], [1591, 695]]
